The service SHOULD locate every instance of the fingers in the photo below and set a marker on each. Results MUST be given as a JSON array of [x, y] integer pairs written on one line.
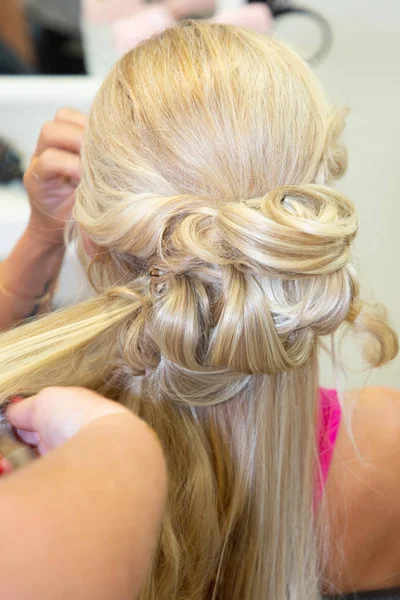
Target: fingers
[[57, 151], [22, 414], [71, 115], [60, 134], [29, 437], [49, 403], [53, 163], [56, 414]]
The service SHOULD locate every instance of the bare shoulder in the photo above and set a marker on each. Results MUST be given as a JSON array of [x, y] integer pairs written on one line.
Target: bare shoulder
[[362, 503]]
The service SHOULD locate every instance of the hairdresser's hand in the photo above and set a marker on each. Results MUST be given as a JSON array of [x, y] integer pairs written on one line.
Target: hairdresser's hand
[[56, 414], [53, 175]]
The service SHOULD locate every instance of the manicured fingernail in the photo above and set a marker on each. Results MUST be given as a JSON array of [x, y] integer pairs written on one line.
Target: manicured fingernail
[[5, 466], [17, 399]]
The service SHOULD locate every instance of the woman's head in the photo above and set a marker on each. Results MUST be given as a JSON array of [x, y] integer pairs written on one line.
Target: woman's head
[[222, 257], [207, 111], [207, 160]]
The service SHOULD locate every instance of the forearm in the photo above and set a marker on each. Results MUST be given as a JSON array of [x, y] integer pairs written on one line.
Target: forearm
[[90, 526], [27, 277]]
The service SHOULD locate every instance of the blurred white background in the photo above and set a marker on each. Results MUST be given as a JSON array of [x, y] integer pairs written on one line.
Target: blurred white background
[[362, 71]]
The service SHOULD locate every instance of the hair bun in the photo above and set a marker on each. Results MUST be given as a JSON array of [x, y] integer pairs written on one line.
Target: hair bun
[[297, 230]]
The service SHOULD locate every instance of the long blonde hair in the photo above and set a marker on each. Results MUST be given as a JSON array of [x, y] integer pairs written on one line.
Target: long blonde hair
[[222, 257]]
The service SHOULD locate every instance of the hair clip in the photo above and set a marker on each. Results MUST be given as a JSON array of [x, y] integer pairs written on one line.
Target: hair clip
[[154, 272]]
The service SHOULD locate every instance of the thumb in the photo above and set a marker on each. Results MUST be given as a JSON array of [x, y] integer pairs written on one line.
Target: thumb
[[57, 413], [21, 413]]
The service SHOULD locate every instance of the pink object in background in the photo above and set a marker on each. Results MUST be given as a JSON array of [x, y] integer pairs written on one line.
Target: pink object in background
[[128, 32], [255, 16], [105, 11]]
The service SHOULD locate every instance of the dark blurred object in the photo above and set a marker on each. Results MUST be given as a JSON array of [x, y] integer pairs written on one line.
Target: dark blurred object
[[282, 8], [275, 5], [58, 53], [10, 163], [55, 26]]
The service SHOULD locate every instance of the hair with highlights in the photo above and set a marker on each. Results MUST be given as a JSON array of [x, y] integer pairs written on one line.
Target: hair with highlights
[[223, 256]]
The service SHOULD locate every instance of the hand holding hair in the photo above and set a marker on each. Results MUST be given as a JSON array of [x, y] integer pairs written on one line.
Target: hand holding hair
[[82, 521]]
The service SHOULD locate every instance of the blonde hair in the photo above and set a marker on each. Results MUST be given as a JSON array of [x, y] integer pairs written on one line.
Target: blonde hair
[[222, 258]]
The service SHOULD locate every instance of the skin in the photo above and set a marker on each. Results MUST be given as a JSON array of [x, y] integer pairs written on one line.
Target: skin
[[29, 274], [363, 495], [90, 527]]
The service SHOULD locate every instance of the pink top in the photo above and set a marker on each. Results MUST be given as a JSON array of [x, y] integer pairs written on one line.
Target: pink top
[[330, 417]]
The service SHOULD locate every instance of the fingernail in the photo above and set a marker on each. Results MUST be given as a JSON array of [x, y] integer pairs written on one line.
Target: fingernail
[[5, 466], [17, 399]]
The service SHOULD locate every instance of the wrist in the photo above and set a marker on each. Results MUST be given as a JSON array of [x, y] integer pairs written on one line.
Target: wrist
[[44, 239], [29, 272]]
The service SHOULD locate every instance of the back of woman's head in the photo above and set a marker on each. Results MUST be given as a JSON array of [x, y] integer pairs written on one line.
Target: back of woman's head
[[207, 164], [222, 254]]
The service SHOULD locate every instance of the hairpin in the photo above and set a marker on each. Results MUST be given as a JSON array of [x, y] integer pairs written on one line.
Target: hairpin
[[154, 272]]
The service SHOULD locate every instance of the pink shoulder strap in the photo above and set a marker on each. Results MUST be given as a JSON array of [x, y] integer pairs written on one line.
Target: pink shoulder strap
[[330, 417]]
